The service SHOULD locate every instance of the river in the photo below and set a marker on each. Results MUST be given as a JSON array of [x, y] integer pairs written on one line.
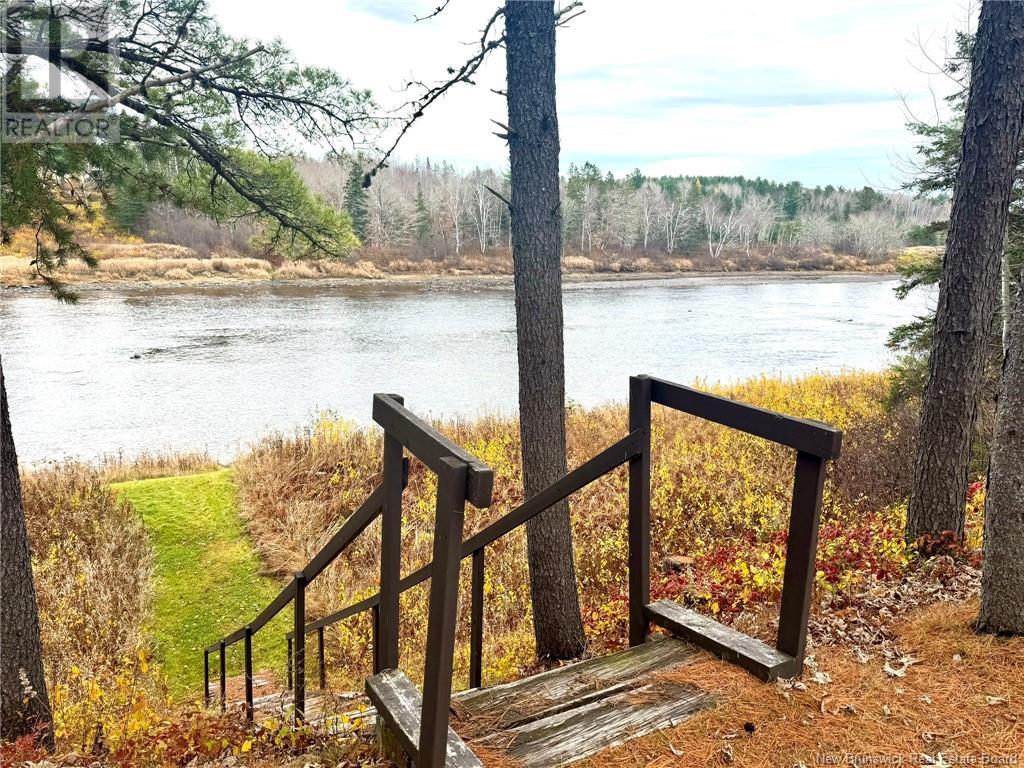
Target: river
[[191, 368]]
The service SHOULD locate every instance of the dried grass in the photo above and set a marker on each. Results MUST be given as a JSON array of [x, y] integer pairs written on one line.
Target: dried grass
[[92, 566], [719, 496], [127, 258], [116, 468]]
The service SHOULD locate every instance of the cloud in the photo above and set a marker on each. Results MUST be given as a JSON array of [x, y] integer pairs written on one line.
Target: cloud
[[398, 11], [801, 89]]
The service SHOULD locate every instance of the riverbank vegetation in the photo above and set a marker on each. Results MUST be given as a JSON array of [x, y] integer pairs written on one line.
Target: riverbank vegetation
[[720, 503], [434, 220], [121, 258]]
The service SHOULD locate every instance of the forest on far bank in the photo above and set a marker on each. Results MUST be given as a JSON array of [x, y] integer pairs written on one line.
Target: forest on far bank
[[435, 212]]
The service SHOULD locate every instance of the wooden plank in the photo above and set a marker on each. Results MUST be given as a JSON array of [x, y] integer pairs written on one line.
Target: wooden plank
[[430, 446], [610, 458], [580, 732], [399, 704], [754, 656], [801, 554], [511, 704], [806, 435]]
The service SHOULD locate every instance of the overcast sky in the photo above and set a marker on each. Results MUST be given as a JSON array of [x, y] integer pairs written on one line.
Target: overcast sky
[[790, 89]]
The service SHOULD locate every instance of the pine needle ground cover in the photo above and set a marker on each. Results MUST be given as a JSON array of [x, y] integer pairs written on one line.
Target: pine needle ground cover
[[948, 696]]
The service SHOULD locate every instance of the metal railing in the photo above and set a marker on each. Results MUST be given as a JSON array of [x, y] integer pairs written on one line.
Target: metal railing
[[463, 478]]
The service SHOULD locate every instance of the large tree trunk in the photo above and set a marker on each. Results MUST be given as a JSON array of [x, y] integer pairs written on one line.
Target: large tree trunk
[[969, 289], [536, 255], [1002, 575], [24, 704]]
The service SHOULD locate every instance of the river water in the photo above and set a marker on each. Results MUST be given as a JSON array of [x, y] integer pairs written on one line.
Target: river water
[[193, 368]]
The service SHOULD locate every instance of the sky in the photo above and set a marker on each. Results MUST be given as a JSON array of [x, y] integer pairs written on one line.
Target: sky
[[789, 90]]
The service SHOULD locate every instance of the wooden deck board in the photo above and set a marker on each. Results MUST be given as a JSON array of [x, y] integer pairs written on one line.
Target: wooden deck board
[[577, 733], [762, 660], [398, 704], [573, 685]]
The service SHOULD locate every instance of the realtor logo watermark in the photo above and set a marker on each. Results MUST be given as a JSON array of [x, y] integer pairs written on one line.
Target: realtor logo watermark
[[59, 62]]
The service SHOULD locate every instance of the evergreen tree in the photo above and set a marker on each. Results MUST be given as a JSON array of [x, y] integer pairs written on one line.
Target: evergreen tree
[[969, 289], [356, 201], [422, 213], [792, 200]]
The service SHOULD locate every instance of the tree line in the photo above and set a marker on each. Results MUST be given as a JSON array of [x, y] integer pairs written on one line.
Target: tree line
[[435, 210]]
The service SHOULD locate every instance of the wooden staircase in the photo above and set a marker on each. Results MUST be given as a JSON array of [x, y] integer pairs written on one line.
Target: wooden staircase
[[568, 713], [550, 719]]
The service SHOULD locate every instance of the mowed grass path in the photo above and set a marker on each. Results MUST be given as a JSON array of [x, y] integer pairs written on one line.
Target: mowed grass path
[[207, 577]]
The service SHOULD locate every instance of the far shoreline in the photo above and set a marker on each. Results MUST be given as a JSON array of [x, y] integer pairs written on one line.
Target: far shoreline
[[454, 282]]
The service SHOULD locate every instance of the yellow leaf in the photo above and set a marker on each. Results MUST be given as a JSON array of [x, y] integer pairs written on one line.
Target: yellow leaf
[[246, 745]]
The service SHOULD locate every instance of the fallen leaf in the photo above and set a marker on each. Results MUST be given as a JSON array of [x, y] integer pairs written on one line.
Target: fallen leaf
[[995, 701], [892, 671]]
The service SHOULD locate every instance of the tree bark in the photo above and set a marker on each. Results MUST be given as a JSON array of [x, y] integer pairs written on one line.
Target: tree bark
[[1002, 574], [969, 289], [24, 704], [536, 254]]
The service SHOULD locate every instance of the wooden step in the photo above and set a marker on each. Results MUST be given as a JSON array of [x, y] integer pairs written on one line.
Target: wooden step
[[580, 732], [567, 687], [731, 645], [399, 705]]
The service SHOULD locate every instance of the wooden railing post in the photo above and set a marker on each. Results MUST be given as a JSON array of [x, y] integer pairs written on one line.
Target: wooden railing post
[[386, 647], [321, 666], [223, 677], [291, 667], [299, 693], [801, 549], [639, 511], [206, 677], [444, 596], [248, 672], [476, 621]]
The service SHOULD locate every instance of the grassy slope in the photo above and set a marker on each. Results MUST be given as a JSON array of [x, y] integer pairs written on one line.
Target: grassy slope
[[207, 576]]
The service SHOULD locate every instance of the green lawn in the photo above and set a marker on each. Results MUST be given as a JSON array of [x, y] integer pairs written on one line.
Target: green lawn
[[207, 577]]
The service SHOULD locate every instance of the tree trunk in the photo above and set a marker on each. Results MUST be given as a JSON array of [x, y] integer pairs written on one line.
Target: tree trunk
[[1002, 575], [536, 254], [24, 704], [969, 289]]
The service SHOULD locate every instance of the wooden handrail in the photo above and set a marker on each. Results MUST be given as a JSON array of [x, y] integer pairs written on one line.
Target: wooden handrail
[[352, 527], [814, 437], [431, 447], [611, 457], [462, 478]]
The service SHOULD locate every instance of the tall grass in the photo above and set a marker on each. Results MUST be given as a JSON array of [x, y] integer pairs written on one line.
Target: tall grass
[[92, 566], [719, 497]]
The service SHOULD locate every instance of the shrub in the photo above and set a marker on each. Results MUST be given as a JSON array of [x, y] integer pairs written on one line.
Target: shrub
[[92, 568], [718, 497], [295, 270], [577, 264]]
